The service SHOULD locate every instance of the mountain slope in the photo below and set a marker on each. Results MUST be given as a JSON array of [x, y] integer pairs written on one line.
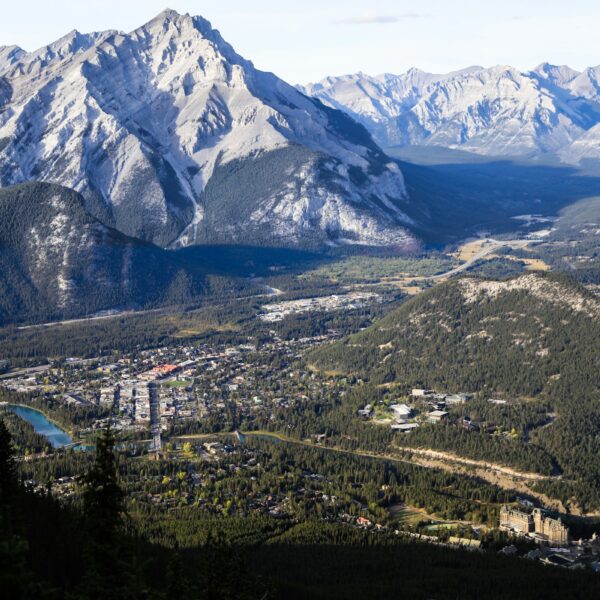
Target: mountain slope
[[585, 150], [9, 55], [531, 341], [143, 124], [57, 261], [474, 334], [495, 111]]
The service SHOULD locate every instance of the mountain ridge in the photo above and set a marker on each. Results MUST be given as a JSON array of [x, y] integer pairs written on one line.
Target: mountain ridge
[[467, 309], [498, 110], [139, 123], [57, 261]]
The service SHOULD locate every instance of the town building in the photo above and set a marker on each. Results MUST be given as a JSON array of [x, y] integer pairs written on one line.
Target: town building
[[537, 525], [436, 416], [401, 411], [515, 520], [551, 530], [457, 399], [405, 427]]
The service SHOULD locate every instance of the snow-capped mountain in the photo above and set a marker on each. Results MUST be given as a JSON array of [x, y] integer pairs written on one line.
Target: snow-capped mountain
[[495, 111], [172, 137], [584, 150], [9, 55]]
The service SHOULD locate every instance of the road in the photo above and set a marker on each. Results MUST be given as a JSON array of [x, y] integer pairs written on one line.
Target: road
[[99, 317], [25, 372], [155, 416], [494, 246], [113, 314]]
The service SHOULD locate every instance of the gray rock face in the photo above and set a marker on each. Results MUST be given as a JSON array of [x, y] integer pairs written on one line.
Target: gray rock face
[[141, 123], [495, 111]]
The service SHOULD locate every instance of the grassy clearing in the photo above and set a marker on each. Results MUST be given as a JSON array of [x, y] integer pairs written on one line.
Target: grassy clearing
[[531, 264], [408, 516], [177, 383], [365, 269]]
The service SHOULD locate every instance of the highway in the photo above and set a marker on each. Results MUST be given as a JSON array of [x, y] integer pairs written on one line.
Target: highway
[[494, 246]]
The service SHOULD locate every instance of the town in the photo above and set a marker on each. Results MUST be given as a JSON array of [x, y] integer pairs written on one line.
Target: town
[[183, 407], [176, 389], [425, 406], [275, 312]]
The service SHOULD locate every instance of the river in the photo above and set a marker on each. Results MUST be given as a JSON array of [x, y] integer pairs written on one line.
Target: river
[[56, 436]]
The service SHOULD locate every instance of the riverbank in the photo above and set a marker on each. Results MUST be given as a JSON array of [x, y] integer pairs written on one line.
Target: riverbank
[[43, 424], [47, 416]]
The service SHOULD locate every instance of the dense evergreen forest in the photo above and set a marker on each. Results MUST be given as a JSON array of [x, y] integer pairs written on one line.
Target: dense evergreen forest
[[95, 547], [538, 350]]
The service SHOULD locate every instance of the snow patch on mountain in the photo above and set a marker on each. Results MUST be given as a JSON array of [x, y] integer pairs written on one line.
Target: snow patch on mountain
[[495, 111], [9, 55], [138, 123]]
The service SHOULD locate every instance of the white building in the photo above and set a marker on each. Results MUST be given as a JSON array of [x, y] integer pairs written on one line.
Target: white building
[[404, 427], [401, 411], [436, 416]]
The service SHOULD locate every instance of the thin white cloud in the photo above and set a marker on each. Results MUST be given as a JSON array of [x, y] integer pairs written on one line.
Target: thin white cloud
[[371, 19]]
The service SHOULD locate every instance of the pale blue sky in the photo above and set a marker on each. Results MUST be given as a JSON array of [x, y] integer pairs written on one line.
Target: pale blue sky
[[308, 39]]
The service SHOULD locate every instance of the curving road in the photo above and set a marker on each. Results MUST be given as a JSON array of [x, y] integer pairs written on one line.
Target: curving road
[[494, 246]]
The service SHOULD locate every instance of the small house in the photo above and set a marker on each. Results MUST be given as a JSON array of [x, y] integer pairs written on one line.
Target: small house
[[437, 415]]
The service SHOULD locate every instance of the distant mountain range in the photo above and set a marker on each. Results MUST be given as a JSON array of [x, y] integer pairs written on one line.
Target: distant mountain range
[[171, 137], [137, 144], [501, 111]]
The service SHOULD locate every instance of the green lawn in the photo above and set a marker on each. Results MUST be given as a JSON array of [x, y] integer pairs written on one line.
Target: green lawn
[[176, 383], [407, 515], [360, 269]]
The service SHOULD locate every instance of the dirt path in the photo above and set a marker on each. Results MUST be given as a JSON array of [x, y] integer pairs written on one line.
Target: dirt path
[[495, 477], [480, 464]]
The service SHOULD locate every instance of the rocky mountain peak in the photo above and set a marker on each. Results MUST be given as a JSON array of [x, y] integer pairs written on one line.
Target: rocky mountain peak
[[155, 128], [499, 110]]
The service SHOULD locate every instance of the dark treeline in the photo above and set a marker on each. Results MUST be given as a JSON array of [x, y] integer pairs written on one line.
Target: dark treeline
[[224, 322], [123, 334], [361, 486], [95, 550], [91, 551]]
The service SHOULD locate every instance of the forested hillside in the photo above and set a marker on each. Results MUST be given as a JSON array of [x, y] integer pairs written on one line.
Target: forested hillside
[[94, 548], [532, 341], [57, 261], [473, 335]]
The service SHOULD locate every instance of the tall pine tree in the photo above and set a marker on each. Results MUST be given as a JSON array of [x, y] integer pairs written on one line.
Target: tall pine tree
[[109, 568]]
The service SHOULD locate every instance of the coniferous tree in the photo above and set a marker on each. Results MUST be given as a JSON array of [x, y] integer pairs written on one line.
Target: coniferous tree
[[7, 464], [16, 582], [109, 569]]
